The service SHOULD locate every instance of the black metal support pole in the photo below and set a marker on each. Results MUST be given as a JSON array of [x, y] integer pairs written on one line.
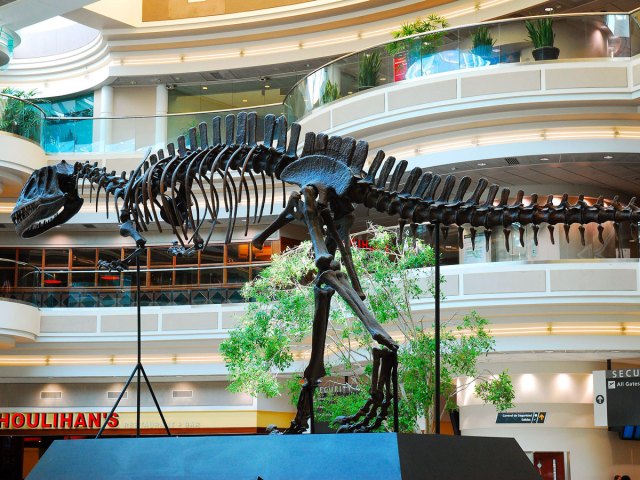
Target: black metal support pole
[[126, 385], [139, 343], [155, 400], [138, 369], [394, 374], [437, 324], [312, 420]]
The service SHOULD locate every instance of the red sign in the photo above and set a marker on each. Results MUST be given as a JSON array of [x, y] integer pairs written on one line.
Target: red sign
[[399, 67], [57, 420]]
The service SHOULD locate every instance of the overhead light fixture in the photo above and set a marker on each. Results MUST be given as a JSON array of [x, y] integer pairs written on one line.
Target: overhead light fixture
[[548, 9], [244, 100], [267, 86], [205, 88]]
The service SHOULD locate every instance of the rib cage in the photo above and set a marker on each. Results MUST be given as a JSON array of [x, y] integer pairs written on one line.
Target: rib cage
[[165, 186]]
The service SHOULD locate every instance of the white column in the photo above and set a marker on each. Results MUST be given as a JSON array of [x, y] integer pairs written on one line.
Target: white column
[[106, 111], [162, 106]]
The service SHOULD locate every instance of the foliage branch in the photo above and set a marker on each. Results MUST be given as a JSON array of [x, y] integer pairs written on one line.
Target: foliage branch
[[424, 45], [267, 340]]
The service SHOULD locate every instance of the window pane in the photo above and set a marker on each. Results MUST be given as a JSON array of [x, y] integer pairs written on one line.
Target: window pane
[[263, 255], [56, 258], [238, 253], [55, 280], [31, 255], [109, 279], [8, 253], [6, 278], [191, 260], [161, 257], [211, 276], [187, 277], [28, 277], [213, 254], [83, 279], [238, 275], [161, 278], [84, 258], [109, 254], [255, 272]]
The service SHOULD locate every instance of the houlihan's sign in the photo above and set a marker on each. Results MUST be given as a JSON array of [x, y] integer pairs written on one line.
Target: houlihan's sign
[[55, 420]]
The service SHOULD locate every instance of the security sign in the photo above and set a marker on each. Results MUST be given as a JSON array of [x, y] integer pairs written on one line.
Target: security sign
[[615, 397]]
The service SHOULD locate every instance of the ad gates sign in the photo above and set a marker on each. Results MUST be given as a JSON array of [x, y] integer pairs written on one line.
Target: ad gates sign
[[615, 397]]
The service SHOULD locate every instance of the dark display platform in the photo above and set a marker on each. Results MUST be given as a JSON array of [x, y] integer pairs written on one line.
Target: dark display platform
[[371, 456]]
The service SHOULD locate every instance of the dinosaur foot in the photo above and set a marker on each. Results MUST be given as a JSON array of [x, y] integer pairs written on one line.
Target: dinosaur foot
[[294, 428], [376, 409]]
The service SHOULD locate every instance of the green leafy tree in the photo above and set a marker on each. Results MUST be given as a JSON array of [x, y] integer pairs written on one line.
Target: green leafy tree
[[18, 115], [271, 334]]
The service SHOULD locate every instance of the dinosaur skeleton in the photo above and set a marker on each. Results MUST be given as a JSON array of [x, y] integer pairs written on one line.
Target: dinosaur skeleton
[[188, 186]]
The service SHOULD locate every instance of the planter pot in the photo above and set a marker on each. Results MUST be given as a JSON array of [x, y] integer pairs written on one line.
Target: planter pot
[[484, 51], [546, 53]]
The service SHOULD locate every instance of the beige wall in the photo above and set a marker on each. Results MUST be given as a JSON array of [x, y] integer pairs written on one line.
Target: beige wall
[[161, 10], [132, 101]]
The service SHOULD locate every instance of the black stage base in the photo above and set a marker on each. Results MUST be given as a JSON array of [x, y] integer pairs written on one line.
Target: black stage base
[[369, 456]]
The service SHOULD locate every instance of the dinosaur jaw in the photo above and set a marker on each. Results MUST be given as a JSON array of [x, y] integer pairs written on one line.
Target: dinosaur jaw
[[40, 216]]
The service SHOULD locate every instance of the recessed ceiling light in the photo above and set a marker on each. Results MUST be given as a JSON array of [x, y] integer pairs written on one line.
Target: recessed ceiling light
[[544, 159], [548, 9], [608, 157], [267, 86], [482, 164], [205, 88], [244, 100]]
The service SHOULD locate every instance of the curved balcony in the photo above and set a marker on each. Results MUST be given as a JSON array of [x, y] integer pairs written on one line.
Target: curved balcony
[[8, 41], [578, 37]]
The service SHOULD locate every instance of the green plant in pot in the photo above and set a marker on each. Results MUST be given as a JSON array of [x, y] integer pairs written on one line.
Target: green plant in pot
[[425, 45], [483, 42], [329, 92], [370, 64], [542, 36]]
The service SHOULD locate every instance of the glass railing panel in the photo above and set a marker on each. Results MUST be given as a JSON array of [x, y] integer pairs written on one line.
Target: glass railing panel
[[132, 134], [180, 124], [634, 33], [451, 49]]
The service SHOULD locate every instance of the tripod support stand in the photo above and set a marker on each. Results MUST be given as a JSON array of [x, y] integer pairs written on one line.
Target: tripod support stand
[[121, 265]]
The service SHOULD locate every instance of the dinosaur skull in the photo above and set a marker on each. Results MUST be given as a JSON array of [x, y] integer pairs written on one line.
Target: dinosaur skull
[[49, 198]]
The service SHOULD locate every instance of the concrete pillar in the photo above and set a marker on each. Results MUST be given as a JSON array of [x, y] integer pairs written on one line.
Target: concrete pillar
[[162, 106], [106, 112]]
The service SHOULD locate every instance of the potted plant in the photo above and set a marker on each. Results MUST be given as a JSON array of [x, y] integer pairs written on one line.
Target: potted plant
[[407, 51], [370, 64], [542, 36], [329, 92], [483, 42]]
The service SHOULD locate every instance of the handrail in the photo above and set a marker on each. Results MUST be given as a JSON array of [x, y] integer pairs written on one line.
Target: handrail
[[24, 100], [449, 29], [181, 114]]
